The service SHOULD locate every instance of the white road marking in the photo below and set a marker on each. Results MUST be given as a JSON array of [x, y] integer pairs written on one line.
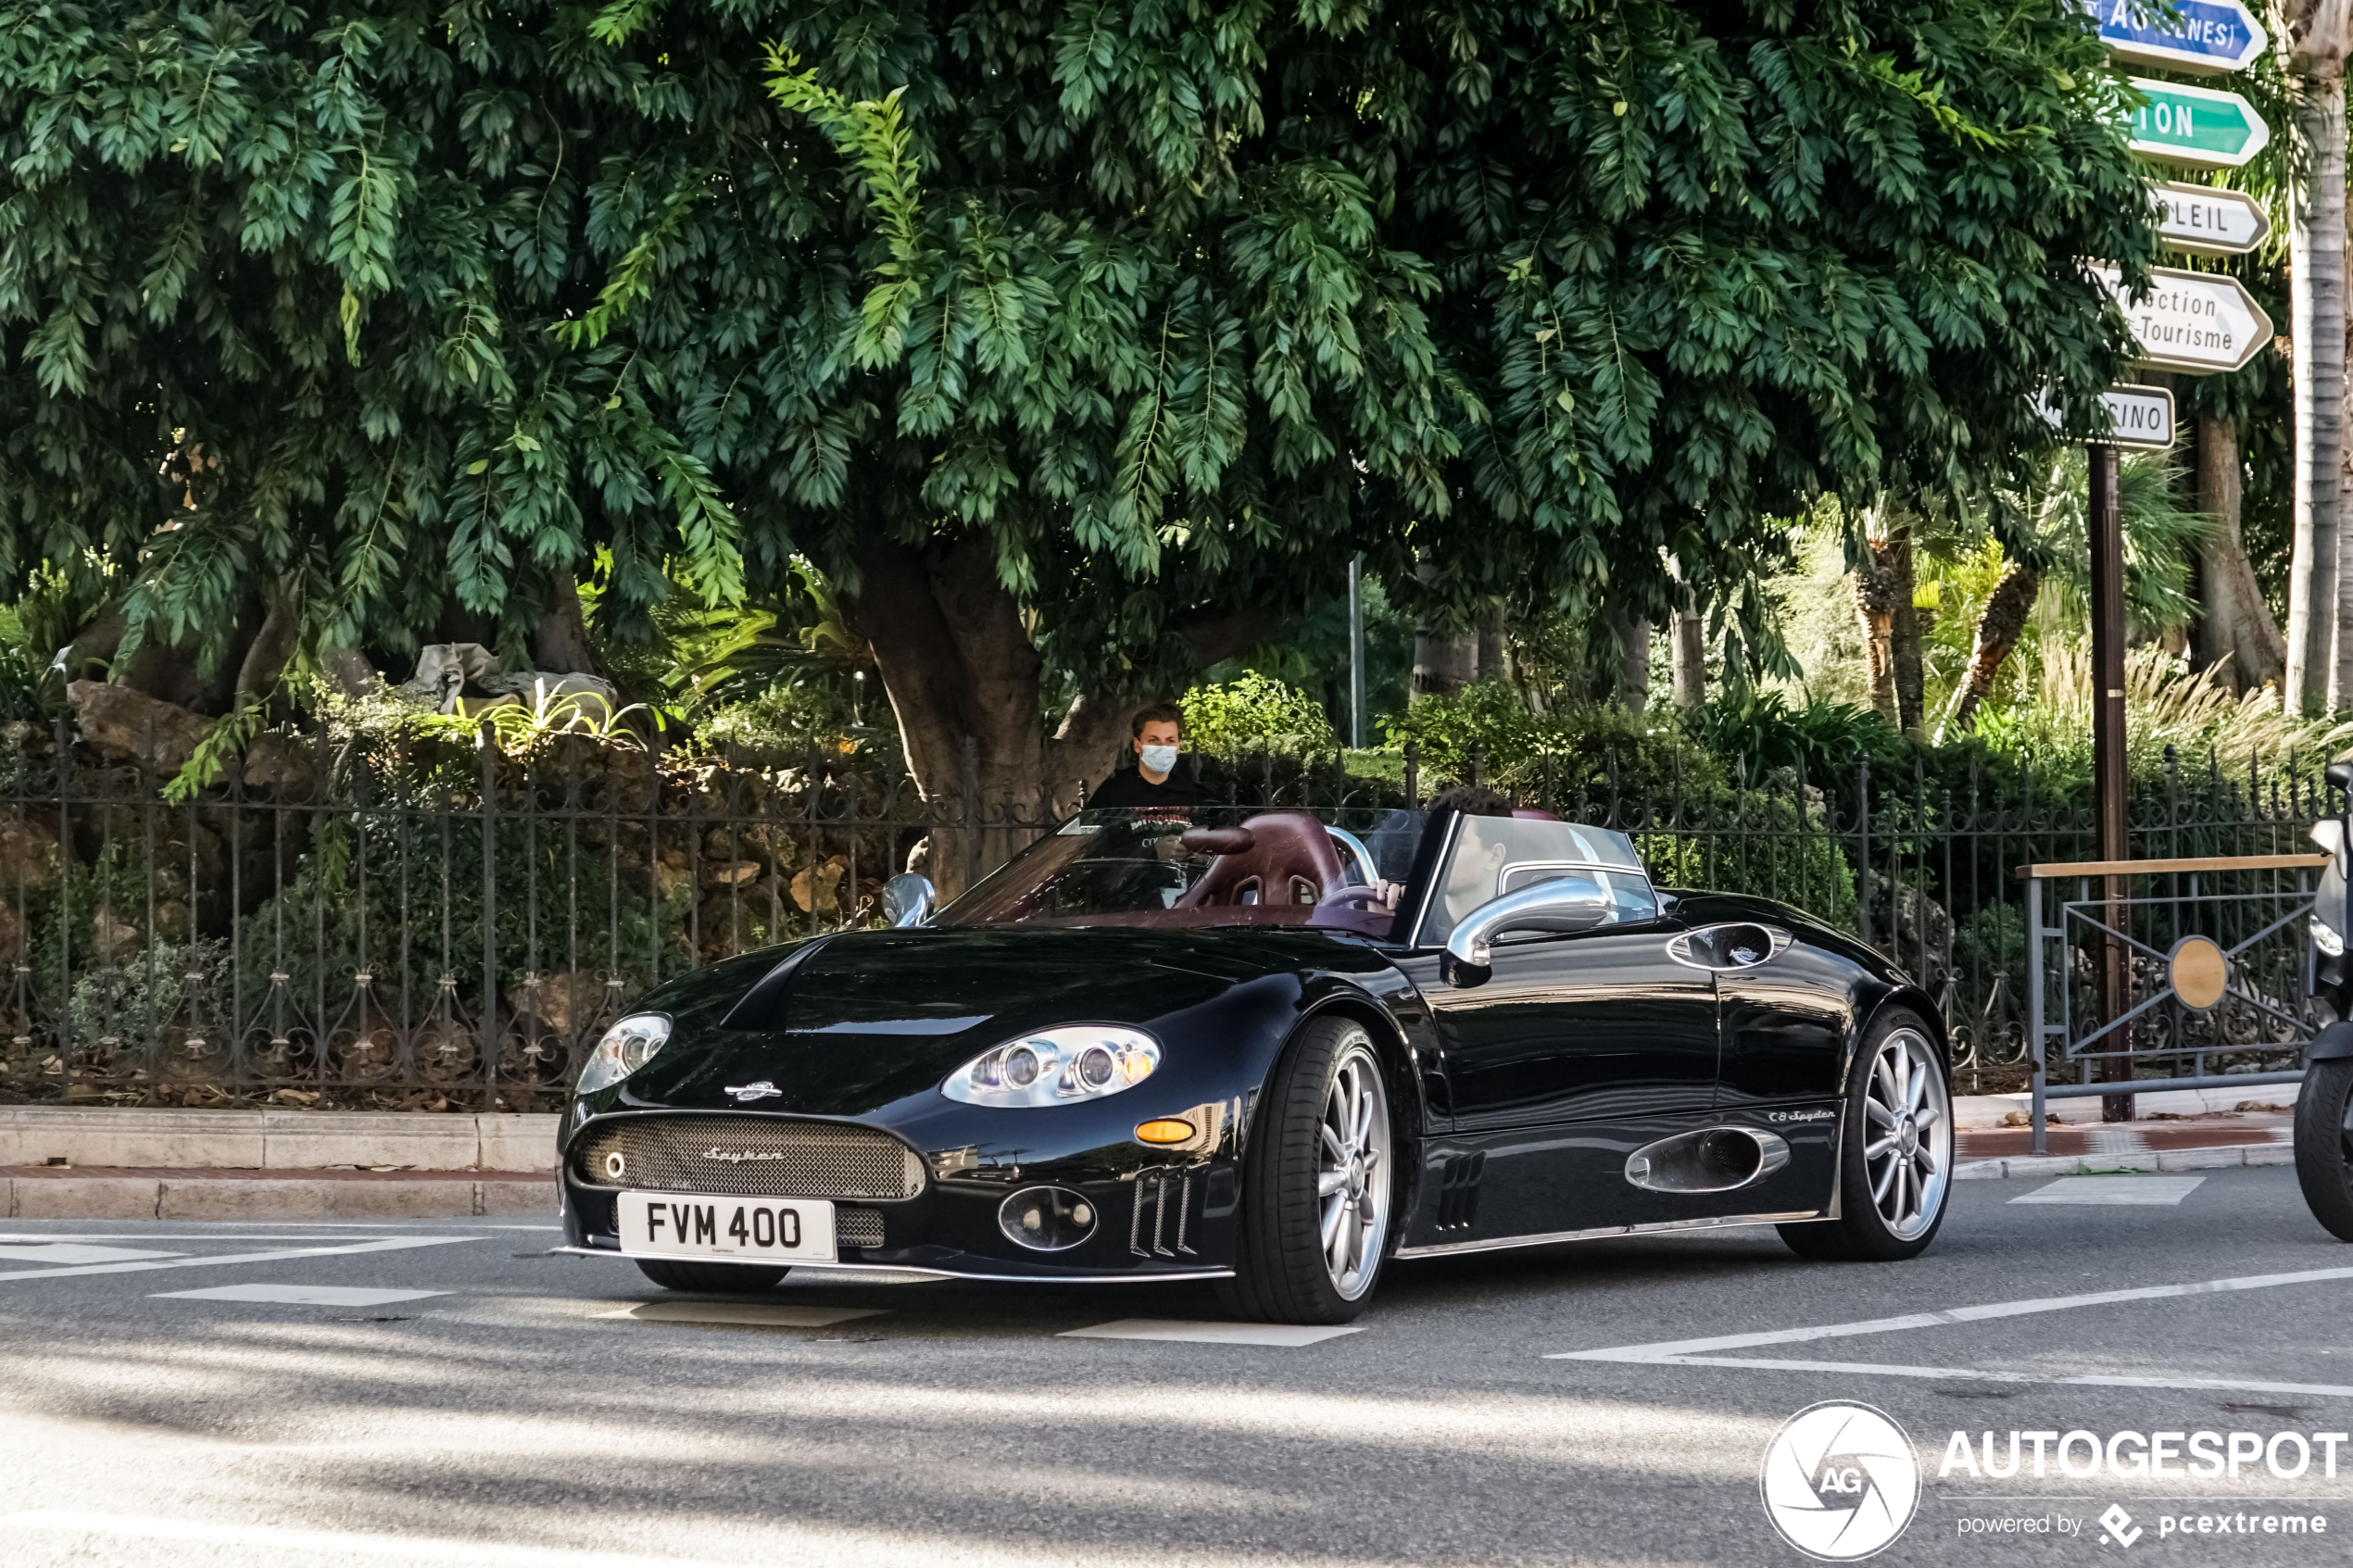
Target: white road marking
[[1666, 1349], [393, 1244], [1209, 1333], [761, 1313], [299, 1295], [171, 1235], [1696, 1352], [67, 1252], [283, 1546], [2133, 1190], [2089, 1380]]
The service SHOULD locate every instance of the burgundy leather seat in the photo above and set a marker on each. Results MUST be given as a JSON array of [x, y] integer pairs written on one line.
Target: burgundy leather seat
[[1291, 860]]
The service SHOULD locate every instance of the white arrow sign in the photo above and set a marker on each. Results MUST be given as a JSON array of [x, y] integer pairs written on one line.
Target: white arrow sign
[[2196, 322], [2139, 417], [2206, 221]]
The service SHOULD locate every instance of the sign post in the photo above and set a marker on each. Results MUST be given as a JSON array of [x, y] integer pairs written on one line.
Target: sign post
[[2210, 38], [2199, 324], [2208, 221], [2197, 127]]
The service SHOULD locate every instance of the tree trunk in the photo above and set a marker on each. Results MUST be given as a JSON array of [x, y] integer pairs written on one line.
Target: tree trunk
[[1494, 653], [2316, 251], [1633, 634], [1904, 631], [1875, 605], [1444, 661], [1999, 626], [2236, 631], [271, 646], [559, 641], [962, 679]]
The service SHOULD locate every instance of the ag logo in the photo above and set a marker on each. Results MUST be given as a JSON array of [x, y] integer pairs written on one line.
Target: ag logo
[[1840, 1481]]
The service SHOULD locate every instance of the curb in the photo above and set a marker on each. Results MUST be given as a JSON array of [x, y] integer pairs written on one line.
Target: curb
[[294, 1141], [2228, 1156], [196, 1194]]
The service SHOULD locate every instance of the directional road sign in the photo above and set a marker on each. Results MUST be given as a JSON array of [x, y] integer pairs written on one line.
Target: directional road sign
[[2139, 417], [2196, 323], [2206, 221], [2212, 36], [2196, 126]]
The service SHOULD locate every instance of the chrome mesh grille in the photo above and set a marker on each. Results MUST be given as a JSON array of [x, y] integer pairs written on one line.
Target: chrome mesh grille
[[749, 1157], [858, 1227]]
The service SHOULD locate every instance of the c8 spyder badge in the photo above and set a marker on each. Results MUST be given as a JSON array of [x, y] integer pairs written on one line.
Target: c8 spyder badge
[[1840, 1481]]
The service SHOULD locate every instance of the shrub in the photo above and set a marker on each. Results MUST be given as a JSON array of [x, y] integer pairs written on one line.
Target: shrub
[[1255, 712], [1590, 752]]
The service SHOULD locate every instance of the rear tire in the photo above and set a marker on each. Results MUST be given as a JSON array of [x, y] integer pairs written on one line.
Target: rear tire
[[718, 1279], [1895, 1151], [1318, 1184], [2324, 1161]]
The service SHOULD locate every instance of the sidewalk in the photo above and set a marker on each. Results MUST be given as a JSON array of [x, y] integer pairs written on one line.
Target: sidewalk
[[106, 1165]]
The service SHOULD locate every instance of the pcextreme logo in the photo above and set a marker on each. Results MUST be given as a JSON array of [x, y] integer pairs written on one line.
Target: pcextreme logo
[[1840, 1481]]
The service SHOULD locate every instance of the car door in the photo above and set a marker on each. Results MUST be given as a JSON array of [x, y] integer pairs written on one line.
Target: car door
[[1575, 1050]]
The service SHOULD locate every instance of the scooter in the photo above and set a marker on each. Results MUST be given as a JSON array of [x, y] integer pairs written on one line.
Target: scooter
[[2324, 1103]]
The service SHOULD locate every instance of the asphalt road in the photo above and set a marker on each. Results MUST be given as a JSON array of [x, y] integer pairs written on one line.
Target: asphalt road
[[512, 1419]]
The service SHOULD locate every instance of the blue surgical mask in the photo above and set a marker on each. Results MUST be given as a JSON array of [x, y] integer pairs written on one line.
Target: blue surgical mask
[[1160, 758]]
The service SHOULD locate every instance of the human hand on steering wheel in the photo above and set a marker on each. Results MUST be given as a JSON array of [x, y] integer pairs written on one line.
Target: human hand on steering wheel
[[1380, 896]]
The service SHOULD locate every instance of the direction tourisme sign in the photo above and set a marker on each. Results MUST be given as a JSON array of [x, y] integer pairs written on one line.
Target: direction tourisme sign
[[2196, 126], [2198, 322], [2211, 37], [2204, 221]]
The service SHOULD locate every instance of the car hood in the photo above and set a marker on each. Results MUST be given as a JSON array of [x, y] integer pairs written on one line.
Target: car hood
[[862, 1020]]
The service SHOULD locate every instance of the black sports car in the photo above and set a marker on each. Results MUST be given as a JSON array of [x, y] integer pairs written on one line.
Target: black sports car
[[1271, 1049]]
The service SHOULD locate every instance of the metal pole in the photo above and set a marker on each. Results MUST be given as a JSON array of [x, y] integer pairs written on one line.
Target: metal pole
[[2039, 1143], [2107, 751], [1356, 651]]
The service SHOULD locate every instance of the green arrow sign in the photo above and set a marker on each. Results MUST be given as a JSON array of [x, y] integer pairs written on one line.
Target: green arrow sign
[[2196, 126]]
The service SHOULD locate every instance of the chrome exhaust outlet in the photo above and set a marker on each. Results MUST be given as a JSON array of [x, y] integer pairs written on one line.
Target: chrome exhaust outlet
[[1707, 1159]]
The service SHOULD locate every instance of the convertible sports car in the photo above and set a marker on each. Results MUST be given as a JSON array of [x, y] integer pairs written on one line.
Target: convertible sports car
[[1270, 1049]]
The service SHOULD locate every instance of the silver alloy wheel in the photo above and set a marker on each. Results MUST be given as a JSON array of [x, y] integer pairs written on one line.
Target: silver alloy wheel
[[1351, 1168], [1908, 1144]]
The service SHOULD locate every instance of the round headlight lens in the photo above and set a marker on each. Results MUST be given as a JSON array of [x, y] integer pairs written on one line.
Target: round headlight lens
[[1072, 1062], [627, 1046]]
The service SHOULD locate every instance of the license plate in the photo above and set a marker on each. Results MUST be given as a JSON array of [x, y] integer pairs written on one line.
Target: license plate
[[679, 1224]]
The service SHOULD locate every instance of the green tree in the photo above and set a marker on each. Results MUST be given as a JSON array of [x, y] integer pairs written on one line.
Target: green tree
[[1079, 345]]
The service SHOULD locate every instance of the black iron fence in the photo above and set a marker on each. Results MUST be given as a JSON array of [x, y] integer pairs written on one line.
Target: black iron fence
[[364, 924]]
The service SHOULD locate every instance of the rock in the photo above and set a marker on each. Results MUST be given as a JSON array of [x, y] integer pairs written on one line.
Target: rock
[[1915, 918], [27, 854], [26, 739], [114, 937], [120, 725], [818, 889], [282, 763], [566, 1003], [730, 875]]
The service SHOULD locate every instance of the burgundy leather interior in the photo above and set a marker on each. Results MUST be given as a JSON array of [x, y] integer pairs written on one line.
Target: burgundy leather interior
[[1290, 860], [1536, 816]]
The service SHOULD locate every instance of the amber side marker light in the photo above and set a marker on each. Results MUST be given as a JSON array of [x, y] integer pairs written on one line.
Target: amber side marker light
[[1168, 1130]]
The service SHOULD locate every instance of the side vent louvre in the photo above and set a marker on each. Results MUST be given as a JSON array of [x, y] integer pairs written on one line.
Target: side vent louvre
[[1163, 1234], [1458, 1178]]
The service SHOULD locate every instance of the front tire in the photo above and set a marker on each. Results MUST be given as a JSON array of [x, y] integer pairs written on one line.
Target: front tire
[[716, 1279], [2324, 1145], [1895, 1153], [1318, 1180]]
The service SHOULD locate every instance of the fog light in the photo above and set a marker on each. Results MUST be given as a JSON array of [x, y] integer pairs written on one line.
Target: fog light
[[1167, 1130], [615, 1166], [1046, 1218]]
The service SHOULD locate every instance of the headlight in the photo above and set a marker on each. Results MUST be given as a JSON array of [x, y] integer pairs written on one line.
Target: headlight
[[2327, 938], [627, 1046], [1056, 1066]]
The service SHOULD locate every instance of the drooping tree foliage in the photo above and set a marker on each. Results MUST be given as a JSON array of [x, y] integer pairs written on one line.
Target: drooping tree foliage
[[1079, 341]]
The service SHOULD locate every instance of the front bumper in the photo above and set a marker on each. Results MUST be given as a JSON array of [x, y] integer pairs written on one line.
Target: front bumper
[[1160, 1216]]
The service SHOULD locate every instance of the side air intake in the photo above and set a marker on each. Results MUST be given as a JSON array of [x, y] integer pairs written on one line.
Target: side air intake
[[1710, 1160]]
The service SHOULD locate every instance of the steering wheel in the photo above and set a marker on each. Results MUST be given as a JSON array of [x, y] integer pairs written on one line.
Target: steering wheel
[[1355, 893]]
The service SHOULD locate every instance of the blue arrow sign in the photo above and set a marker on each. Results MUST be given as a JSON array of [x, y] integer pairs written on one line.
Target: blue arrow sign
[[2210, 37]]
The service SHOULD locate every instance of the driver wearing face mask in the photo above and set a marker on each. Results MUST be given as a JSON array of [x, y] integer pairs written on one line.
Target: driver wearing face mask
[[1158, 734]]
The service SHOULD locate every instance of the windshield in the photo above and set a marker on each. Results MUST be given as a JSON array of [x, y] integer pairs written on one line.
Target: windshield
[[1206, 866]]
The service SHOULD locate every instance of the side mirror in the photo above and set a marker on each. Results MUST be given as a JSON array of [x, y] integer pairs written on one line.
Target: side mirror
[[1567, 903], [2340, 773], [908, 899]]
